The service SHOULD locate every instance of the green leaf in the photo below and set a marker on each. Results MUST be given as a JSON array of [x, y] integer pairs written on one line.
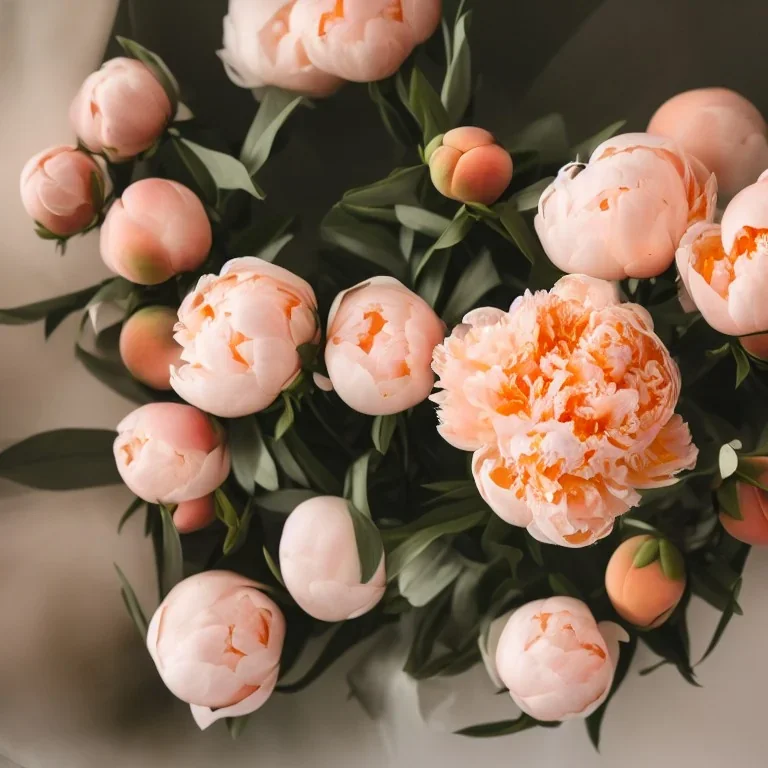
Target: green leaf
[[743, 366], [32, 313], [478, 278], [226, 171], [62, 460], [528, 199], [382, 430], [252, 462], [370, 548], [315, 470], [236, 725], [286, 462], [399, 188], [172, 571], [274, 569], [132, 604], [426, 107], [456, 231], [158, 68], [519, 232], [356, 484], [420, 220], [427, 575], [584, 149], [96, 185], [672, 562], [546, 137], [432, 277], [562, 585], [115, 376], [285, 501], [285, 422], [275, 108], [272, 251], [390, 115], [259, 236], [647, 553], [502, 728], [128, 514], [728, 498], [199, 172], [725, 619], [457, 86]]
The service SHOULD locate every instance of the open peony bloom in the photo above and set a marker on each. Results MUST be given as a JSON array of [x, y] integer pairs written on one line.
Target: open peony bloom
[[725, 266], [363, 40], [262, 48], [380, 342], [753, 507], [469, 166], [556, 661], [120, 110], [147, 346], [722, 129], [320, 564], [216, 641], [645, 580], [568, 402], [624, 212], [63, 189], [169, 453], [240, 331]]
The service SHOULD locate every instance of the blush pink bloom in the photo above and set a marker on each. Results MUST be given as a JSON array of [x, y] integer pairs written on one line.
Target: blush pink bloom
[[261, 48], [363, 40], [556, 660], [240, 331], [469, 166], [191, 516], [147, 347], [168, 453], [725, 266], [121, 110], [57, 189], [753, 506], [624, 212], [216, 640], [380, 342], [158, 229], [320, 564], [568, 402], [722, 129]]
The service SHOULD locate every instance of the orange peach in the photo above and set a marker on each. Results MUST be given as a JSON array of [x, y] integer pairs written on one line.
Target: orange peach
[[753, 506], [147, 346]]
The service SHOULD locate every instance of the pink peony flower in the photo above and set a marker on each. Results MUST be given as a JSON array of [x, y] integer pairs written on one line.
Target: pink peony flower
[[191, 516], [147, 346], [320, 563], [363, 40], [753, 506], [57, 189], [240, 332], [380, 342], [624, 212], [469, 166], [216, 641], [121, 110], [568, 401], [556, 660], [722, 129], [169, 453]]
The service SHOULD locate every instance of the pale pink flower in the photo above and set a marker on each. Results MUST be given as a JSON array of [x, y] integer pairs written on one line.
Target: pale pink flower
[[240, 331], [147, 347], [623, 213], [557, 662], [169, 453], [261, 48], [722, 129], [568, 401], [320, 563], [120, 110], [363, 40], [380, 341], [216, 640]]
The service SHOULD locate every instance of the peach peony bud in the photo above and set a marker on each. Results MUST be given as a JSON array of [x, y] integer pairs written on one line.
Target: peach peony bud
[[753, 506], [121, 110], [469, 166], [216, 641], [363, 40], [261, 48], [169, 453], [63, 189], [380, 342], [191, 516], [725, 266], [240, 332], [722, 129], [147, 346], [320, 563], [645, 580], [757, 346], [556, 661], [158, 229], [554, 398], [623, 213]]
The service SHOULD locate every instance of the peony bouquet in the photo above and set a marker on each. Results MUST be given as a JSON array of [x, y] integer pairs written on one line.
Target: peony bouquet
[[513, 404]]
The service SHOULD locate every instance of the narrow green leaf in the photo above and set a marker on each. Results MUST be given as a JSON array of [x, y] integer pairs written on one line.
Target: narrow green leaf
[[519, 232], [237, 535], [284, 501], [132, 604], [272, 251], [128, 514], [251, 461], [390, 115], [370, 548], [226, 171], [427, 575], [236, 725], [647, 553], [286, 462], [560, 584], [201, 175], [399, 188], [285, 422], [432, 278], [728, 500], [478, 278], [426, 107], [725, 619], [546, 137], [421, 220], [456, 231], [382, 430], [743, 366], [173, 561], [274, 569], [501, 728], [158, 68], [457, 86], [527, 199], [584, 149], [356, 484], [315, 470], [114, 375], [672, 562], [32, 313]]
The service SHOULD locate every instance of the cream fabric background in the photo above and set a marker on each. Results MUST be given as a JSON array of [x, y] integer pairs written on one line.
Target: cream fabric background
[[77, 689]]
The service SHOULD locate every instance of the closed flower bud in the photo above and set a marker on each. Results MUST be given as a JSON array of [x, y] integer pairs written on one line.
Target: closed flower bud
[[191, 516], [469, 166], [147, 346], [752, 527], [158, 229], [63, 189], [645, 580]]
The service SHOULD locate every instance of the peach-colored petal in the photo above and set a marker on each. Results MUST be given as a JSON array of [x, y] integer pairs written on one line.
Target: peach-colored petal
[[147, 347], [191, 516]]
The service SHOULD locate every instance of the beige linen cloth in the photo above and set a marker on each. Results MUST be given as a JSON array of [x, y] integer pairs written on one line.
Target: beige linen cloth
[[77, 689]]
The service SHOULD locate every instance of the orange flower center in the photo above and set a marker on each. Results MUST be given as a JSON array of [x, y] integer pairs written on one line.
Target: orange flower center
[[394, 12], [377, 323], [709, 255]]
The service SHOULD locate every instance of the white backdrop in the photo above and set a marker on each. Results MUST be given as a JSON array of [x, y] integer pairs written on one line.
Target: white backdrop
[[77, 689]]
